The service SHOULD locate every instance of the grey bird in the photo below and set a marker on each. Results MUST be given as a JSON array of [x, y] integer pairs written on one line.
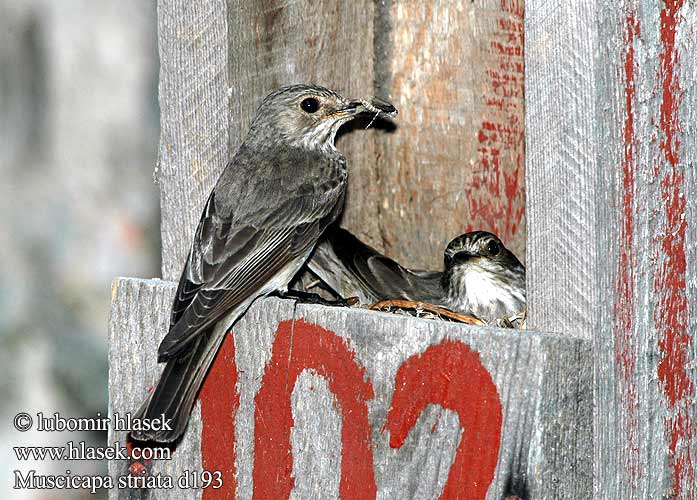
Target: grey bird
[[481, 276], [282, 188]]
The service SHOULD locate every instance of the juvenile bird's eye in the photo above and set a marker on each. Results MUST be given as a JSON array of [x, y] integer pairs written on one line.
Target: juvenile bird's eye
[[493, 248], [309, 105]]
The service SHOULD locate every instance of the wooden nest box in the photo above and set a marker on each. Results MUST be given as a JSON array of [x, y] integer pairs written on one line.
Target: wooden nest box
[[586, 172]]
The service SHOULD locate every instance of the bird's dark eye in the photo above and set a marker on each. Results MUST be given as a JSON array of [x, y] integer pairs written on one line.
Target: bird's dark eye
[[493, 248], [309, 105]]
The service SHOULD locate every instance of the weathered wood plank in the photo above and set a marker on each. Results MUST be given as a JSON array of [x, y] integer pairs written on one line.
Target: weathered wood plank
[[193, 118], [651, 375], [326, 391], [454, 68], [139, 319], [560, 166], [687, 75], [633, 224]]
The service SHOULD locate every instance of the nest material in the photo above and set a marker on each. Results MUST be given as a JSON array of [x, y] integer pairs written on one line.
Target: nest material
[[430, 311], [311, 284], [421, 309]]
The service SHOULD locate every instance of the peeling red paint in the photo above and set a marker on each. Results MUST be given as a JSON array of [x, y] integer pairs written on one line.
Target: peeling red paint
[[515, 7], [219, 404], [671, 312], [435, 377], [299, 346], [669, 284], [671, 94], [625, 285], [501, 133]]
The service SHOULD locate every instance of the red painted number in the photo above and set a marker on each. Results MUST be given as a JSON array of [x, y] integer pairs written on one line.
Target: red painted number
[[449, 374]]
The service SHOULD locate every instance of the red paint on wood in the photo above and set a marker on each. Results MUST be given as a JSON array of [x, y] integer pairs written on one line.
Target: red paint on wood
[[219, 404], [671, 312], [671, 94], [299, 346], [502, 133], [137, 469], [625, 286], [438, 377]]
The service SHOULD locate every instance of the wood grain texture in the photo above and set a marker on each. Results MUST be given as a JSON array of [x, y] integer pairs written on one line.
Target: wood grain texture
[[276, 43], [139, 320], [456, 160], [560, 166], [193, 118], [646, 354], [367, 362], [628, 260], [687, 75]]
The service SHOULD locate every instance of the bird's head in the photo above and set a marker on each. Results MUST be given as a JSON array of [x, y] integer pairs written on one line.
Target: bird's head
[[482, 275], [309, 116], [480, 251]]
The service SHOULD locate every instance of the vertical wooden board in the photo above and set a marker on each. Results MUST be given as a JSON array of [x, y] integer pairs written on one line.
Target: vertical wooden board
[[616, 432], [632, 286], [560, 166], [646, 409], [321, 390], [688, 121], [455, 71], [686, 41], [278, 43], [193, 118]]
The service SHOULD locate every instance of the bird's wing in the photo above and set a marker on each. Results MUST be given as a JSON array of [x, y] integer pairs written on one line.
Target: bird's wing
[[231, 261], [352, 268]]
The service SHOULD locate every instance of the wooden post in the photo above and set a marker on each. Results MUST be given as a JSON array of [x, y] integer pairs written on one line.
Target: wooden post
[[562, 187], [454, 68], [193, 118], [323, 402], [612, 192]]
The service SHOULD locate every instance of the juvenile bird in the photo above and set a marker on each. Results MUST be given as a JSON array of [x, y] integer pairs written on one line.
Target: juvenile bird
[[481, 276], [284, 185]]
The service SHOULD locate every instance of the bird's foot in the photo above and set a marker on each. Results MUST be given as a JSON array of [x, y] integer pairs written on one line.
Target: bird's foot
[[516, 321], [313, 298]]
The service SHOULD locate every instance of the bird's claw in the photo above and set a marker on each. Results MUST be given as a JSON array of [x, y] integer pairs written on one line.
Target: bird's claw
[[516, 321]]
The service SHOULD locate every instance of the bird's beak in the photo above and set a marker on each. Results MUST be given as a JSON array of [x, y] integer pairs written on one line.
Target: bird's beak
[[369, 105]]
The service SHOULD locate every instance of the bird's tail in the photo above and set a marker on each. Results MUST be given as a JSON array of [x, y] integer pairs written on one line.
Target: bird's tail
[[176, 391]]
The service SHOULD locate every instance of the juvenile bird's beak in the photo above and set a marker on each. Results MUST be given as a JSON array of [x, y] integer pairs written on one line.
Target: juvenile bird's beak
[[369, 105]]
